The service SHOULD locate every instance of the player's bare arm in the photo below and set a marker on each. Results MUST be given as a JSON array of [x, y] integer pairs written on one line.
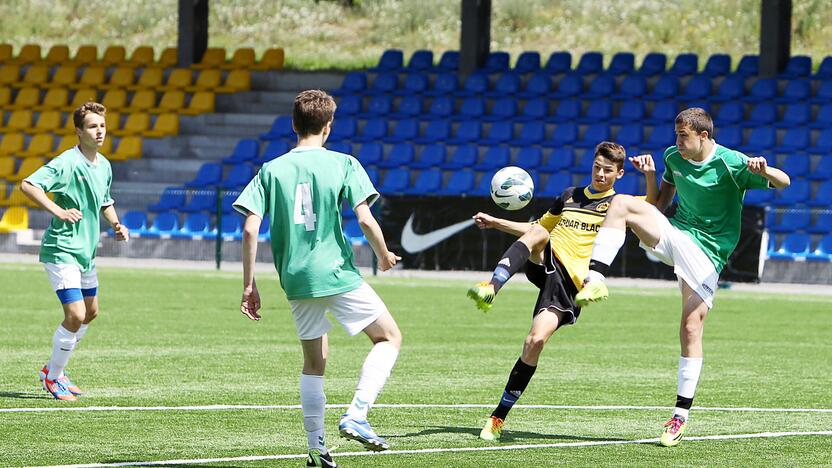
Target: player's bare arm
[[250, 302], [372, 231], [776, 177], [644, 163], [122, 233], [486, 221], [37, 195]]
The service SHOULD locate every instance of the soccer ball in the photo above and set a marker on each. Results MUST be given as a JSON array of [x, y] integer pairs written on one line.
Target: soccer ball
[[512, 188]]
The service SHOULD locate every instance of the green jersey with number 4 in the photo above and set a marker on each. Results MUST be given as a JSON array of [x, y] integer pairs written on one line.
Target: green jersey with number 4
[[302, 192], [710, 198]]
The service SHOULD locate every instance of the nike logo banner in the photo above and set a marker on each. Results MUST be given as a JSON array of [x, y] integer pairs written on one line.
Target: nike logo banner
[[412, 242]]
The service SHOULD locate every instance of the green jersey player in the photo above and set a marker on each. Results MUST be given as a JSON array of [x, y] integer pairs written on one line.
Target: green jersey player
[[711, 181], [300, 195]]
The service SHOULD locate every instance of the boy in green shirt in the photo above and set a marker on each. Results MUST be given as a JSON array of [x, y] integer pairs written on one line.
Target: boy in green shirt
[[300, 195], [80, 178], [711, 181]]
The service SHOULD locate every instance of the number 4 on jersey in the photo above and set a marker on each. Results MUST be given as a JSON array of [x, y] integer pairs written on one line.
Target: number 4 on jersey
[[303, 206]]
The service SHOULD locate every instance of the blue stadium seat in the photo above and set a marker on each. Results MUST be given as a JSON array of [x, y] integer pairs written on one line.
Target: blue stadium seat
[[475, 85], [600, 87], [730, 113], [467, 131], [373, 130], [629, 112], [654, 63], [559, 159], [246, 150], [528, 158], [353, 83], [662, 113], [472, 108], [372, 174], [506, 85], [764, 114], [660, 138], [717, 65], [238, 176], [463, 157], [823, 145], [795, 91], [559, 63], [798, 66], [420, 61], [498, 133], [823, 197], [395, 182], [570, 85], [730, 89], [758, 197], [583, 164], [528, 62], [630, 135], [749, 65], [590, 63], [427, 183], [497, 62], [622, 63], [409, 107], [136, 222], [796, 115], [502, 109], [405, 130], [379, 106], [172, 199], [567, 110], [632, 87], [483, 188], [391, 60], [227, 201], [555, 185], [201, 200], [441, 107], [823, 94], [698, 87], [540, 84], [343, 129], [763, 90], [460, 182], [444, 84], [795, 139], [531, 133], [436, 131], [822, 171], [823, 119], [796, 165], [594, 134], [534, 110], [824, 70], [449, 61], [384, 83], [370, 154], [209, 174], [401, 154], [667, 87], [791, 221], [281, 128], [822, 224], [797, 193], [349, 106], [629, 184], [231, 227], [685, 64], [353, 233], [795, 245], [823, 251], [729, 137], [196, 226], [760, 139], [495, 157], [565, 134], [431, 156], [275, 149], [597, 111], [164, 225]]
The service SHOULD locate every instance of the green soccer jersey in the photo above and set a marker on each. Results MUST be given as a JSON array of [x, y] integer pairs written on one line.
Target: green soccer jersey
[[302, 192], [77, 183], [710, 198]]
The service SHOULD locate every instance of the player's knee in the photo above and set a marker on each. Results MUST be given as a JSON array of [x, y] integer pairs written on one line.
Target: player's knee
[[92, 314], [692, 327], [620, 204], [535, 342]]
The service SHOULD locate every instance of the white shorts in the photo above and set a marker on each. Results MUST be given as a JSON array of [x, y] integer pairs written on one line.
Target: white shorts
[[689, 262], [69, 276], [354, 310]]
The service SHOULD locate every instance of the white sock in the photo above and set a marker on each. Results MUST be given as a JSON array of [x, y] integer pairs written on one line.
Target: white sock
[[313, 402], [607, 244], [63, 342], [81, 332], [374, 374], [689, 370]]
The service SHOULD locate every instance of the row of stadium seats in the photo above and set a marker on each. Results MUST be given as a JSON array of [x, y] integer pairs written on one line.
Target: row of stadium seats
[[797, 220], [141, 57], [590, 63], [117, 100], [47, 146], [695, 88], [15, 169], [801, 247], [124, 79], [15, 197], [49, 122]]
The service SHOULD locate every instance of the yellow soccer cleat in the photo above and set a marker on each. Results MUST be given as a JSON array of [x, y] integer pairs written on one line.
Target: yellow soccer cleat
[[673, 431], [493, 429], [483, 294], [594, 291]]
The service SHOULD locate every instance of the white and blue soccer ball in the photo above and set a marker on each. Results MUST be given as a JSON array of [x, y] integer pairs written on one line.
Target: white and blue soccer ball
[[512, 188]]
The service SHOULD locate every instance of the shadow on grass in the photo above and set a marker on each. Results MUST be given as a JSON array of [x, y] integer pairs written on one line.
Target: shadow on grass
[[508, 436], [25, 395]]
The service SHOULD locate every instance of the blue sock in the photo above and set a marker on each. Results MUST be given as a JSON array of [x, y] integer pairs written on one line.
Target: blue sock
[[512, 260]]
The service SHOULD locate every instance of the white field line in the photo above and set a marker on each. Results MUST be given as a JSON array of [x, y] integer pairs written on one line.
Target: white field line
[[196, 461], [427, 406]]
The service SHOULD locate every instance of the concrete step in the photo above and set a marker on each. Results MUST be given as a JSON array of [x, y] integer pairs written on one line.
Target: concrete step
[[295, 81]]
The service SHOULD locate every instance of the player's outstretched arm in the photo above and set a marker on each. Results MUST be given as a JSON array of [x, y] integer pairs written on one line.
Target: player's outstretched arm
[[776, 177], [250, 303], [372, 231], [122, 233], [486, 221], [644, 163], [37, 195]]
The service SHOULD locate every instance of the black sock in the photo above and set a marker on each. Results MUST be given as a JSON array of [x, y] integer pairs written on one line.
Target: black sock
[[518, 380], [683, 402], [510, 263], [600, 267]]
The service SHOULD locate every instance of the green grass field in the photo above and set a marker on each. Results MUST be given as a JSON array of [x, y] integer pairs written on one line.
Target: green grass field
[[176, 339]]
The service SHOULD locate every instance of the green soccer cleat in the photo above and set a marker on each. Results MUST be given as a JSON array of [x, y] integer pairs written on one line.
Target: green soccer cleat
[[673, 431], [492, 430], [483, 294], [318, 459], [594, 291]]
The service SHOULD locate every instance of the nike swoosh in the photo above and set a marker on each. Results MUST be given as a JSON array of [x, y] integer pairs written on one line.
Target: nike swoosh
[[412, 242]]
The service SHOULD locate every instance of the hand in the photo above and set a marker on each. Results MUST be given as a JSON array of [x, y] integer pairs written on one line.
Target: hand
[[644, 163], [122, 233], [250, 303], [757, 165], [483, 221], [387, 261], [70, 216]]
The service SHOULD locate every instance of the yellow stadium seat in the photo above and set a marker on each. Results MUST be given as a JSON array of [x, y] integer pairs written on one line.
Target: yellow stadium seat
[[5, 53], [272, 59], [81, 97], [136, 124], [142, 56], [6, 167], [67, 142], [11, 144], [115, 99], [64, 77], [114, 56], [86, 55], [106, 147], [29, 53], [168, 58], [214, 57], [19, 120], [57, 55], [14, 219], [179, 78], [130, 147], [201, 103], [151, 78], [26, 99], [55, 98], [237, 80], [39, 146], [9, 74], [113, 120], [243, 58], [93, 77], [142, 101], [4, 193], [122, 78], [68, 128], [47, 122], [26, 168], [36, 75], [165, 125], [208, 80], [18, 198], [5, 97], [172, 101]]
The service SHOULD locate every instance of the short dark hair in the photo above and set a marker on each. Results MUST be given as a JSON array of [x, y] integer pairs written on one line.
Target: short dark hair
[[312, 110], [612, 152], [698, 119], [87, 108]]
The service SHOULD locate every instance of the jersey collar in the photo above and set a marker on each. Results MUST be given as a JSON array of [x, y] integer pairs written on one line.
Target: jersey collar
[[305, 148], [81, 155], [594, 196]]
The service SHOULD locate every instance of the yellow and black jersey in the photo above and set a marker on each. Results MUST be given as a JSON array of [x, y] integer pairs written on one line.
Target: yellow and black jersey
[[573, 222]]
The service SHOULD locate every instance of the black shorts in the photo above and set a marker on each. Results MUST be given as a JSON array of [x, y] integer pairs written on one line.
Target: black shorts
[[557, 291]]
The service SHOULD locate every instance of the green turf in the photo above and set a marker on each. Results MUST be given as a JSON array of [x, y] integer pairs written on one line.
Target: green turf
[[176, 338]]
